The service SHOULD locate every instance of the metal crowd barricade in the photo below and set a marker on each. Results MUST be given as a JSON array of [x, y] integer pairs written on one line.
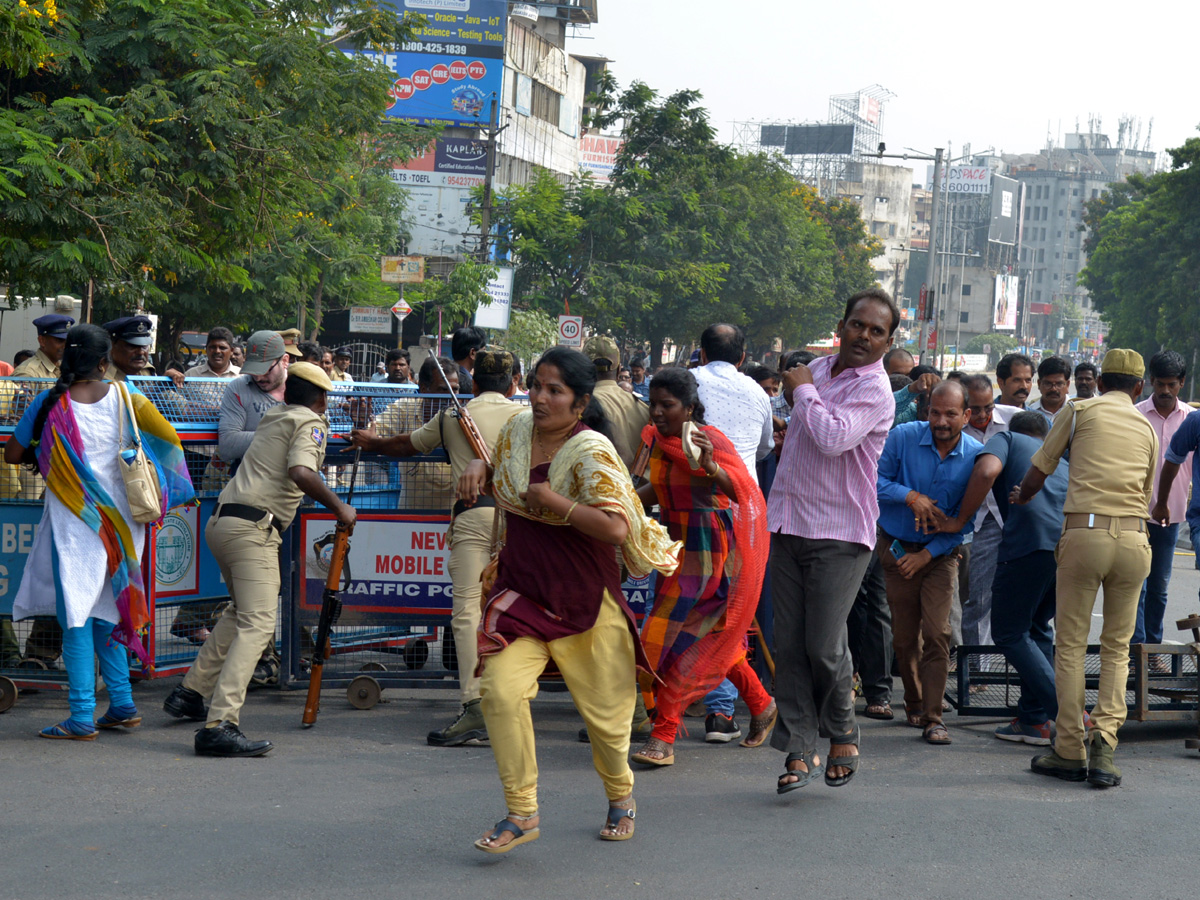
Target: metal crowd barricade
[[394, 629]]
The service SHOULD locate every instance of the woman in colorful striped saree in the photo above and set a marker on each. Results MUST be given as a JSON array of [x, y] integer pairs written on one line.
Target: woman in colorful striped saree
[[84, 566], [695, 632]]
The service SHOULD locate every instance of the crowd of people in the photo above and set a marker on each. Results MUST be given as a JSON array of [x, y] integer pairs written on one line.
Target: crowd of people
[[860, 513]]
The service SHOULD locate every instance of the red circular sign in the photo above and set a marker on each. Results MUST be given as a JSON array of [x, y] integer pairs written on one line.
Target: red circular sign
[[403, 89], [421, 79], [458, 70], [476, 69], [440, 73]]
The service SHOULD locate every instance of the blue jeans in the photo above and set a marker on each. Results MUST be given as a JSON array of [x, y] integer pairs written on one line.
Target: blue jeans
[[1022, 607], [80, 648], [721, 699], [1152, 604]]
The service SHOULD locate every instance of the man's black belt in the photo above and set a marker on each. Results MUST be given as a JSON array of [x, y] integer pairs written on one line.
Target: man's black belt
[[483, 501], [249, 513]]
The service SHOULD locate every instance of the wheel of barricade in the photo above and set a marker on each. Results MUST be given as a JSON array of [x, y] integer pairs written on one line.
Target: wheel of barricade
[[373, 667], [416, 654], [364, 692], [8, 694]]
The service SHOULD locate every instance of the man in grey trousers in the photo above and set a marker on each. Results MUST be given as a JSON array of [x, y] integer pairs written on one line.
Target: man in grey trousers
[[821, 515]]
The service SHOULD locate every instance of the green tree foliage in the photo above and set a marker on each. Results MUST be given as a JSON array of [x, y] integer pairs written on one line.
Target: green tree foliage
[[457, 296], [530, 333], [211, 160], [1143, 248], [999, 342], [688, 232]]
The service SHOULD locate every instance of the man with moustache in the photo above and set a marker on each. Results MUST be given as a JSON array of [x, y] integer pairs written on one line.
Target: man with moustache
[[821, 514], [1085, 381], [1054, 380], [130, 347], [1014, 373], [1166, 414], [986, 419], [923, 474]]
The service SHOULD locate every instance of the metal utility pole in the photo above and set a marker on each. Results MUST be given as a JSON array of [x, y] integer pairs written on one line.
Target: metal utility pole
[[931, 269], [485, 211]]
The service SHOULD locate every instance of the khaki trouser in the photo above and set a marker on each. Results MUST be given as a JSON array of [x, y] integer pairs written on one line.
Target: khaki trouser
[[470, 550], [921, 628], [248, 556], [598, 667], [1088, 558]]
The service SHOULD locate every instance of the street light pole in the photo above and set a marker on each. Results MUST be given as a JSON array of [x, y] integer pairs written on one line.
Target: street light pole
[[931, 267]]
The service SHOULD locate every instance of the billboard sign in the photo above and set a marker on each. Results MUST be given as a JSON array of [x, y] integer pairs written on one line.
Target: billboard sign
[[370, 320], [453, 66], [598, 155], [495, 314], [447, 162], [1005, 209], [1004, 309], [968, 180], [402, 269]]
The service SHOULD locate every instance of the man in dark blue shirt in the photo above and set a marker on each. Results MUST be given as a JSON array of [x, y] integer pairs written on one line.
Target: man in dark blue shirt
[[1023, 586], [923, 474]]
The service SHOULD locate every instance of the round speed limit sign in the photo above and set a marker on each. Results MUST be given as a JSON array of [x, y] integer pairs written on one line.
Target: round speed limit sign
[[570, 331]]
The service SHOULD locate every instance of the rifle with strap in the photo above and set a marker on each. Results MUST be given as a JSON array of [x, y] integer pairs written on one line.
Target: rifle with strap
[[469, 429]]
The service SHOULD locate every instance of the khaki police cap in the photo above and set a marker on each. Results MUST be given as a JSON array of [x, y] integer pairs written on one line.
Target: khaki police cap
[[291, 339], [311, 373], [1123, 362], [601, 348]]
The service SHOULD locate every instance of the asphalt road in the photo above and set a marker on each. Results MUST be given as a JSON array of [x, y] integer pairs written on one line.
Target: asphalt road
[[360, 806]]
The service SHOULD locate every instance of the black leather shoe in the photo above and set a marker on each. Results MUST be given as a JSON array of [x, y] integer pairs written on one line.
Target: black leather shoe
[[183, 703], [227, 739]]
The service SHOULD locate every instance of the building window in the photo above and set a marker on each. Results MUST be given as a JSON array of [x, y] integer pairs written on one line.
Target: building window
[[1056, 276], [1039, 275], [1074, 214], [1060, 213], [1044, 234], [964, 316], [546, 103], [1074, 192], [1095, 193], [1062, 192], [966, 292], [1058, 256], [891, 231], [1071, 255], [1058, 233], [1041, 255]]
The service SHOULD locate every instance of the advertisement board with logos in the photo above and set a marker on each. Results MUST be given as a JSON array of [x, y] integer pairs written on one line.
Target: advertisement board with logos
[[453, 66], [1005, 303]]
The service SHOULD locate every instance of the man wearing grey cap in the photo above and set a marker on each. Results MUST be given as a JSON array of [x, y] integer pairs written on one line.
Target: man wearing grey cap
[[1114, 453], [131, 338], [627, 414]]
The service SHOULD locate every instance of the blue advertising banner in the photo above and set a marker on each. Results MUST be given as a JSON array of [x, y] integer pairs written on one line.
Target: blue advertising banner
[[448, 73]]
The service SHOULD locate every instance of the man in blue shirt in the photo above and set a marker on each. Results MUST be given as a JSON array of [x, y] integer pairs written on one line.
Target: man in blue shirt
[[1023, 586], [923, 474], [1186, 440]]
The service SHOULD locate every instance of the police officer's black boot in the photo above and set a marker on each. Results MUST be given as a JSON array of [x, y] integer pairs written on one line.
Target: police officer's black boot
[[226, 739], [183, 703]]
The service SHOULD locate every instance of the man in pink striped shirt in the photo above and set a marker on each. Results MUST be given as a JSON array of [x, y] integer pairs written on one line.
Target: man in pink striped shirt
[[821, 514]]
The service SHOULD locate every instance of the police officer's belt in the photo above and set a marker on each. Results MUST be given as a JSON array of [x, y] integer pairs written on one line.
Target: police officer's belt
[[483, 501], [249, 513], [1089, 520]]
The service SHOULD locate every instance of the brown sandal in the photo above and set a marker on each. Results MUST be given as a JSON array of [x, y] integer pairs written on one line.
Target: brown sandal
[[654, 745], [936, 733], [879, 711], [760, 726], [914, 719]]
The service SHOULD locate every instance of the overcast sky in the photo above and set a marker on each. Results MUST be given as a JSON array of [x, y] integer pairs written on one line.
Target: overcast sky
[[1001, 76]]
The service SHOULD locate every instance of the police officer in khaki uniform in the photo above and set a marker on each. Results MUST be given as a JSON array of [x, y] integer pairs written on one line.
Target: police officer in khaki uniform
[[471, 527], [52, 338], [341, 365], [130, 347], [281, 466], [624, 410], [1114, 452]]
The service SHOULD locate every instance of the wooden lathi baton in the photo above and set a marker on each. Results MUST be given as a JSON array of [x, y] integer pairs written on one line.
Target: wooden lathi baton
[[331, 607]]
